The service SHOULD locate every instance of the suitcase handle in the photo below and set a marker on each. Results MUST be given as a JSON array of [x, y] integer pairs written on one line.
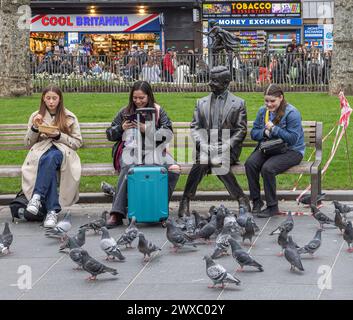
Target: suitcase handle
[[145, 110]]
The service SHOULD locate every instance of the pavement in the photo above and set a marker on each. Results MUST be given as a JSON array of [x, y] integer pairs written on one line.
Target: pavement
[[36, 270]]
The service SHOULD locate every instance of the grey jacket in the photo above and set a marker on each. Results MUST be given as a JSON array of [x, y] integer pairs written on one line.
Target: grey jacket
[[234, 118]]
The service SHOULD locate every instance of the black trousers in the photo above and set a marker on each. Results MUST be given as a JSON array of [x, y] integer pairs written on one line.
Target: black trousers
[[269, 167], [198, 171]]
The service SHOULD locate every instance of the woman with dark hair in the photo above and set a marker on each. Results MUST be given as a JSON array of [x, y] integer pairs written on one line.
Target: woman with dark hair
[[51, 153], [276, 120], [123, 132]]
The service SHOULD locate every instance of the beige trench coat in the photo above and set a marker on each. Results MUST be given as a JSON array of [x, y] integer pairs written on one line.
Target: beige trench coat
[[70, 171]]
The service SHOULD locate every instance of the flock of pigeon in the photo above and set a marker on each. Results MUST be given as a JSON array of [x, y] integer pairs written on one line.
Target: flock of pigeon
[[225, 226]]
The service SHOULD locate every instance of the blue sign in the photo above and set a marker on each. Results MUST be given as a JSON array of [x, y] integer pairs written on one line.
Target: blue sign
[[314, 32], [231, 22]]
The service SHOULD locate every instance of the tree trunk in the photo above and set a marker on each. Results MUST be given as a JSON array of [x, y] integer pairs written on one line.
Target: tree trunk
[[15, 78], [342, 56]]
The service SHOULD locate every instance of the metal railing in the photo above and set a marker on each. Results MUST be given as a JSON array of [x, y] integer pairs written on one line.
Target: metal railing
[[181, 72]]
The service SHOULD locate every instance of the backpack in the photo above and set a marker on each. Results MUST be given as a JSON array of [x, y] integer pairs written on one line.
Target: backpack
[[18, 209]]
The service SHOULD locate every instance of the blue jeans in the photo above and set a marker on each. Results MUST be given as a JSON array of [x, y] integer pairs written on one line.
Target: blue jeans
[[47, 182]]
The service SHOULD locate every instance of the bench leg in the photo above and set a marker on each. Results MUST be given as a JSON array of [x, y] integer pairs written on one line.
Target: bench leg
[[315, 185]]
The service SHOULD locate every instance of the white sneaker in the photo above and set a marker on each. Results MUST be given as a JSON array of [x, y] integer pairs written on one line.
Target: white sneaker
[[34, 204], [51, 220]]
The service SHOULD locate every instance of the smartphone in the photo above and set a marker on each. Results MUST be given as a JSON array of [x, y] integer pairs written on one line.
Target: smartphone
[[130, 117]]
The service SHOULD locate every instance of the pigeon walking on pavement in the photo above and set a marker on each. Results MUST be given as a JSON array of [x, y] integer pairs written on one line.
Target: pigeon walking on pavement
[[343, 208], [97, 224], [242, 257], [218, 274], [206, 231], [220, 215], [222, 243], [287, 225], [313, 245], [61, 229], [6, 239], [76, 256], [109, 246], [200, 221], [307, 198], [243, 216], [339, 223], [129, 235], [74, 242], [292, 256], [321, 217], [348, 235], [177, 237], [146, 247], [249, 230], [94, 267]]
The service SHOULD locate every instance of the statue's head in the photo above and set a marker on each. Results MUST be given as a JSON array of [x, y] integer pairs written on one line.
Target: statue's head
[[220, 78]]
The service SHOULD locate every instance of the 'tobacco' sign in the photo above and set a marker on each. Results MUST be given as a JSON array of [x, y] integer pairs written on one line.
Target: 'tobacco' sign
[[252, 9]]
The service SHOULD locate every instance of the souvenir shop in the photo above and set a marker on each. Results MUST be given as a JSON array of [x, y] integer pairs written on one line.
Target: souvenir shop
[[95, 34], [262, 26]]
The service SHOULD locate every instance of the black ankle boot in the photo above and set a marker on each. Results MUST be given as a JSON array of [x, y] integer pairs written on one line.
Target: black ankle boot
[[268, 212], [184, 207], [257, 205]]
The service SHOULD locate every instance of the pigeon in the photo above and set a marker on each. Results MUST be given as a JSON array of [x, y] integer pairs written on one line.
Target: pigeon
[[97, 224], [292, 255], [206, 231], [220, 215], [199, 220], [222, 243], [242, 257], [321, 217], [108, 189], [343, 208], [190, 226], [74, 242], [177, 237], [313, 245], [339, 223], [61, 228], [243, 216], [218, 274], [129, 235], [307, 198], [231, 219], [348, 235], [6, 239], [287, 225], [146, 247], [76, 256], [249, 230], [109, 246], [282, 240], [94, 267]]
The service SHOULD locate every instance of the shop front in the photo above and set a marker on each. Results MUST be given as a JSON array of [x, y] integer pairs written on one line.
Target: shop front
[[262, 26], [95, 34]]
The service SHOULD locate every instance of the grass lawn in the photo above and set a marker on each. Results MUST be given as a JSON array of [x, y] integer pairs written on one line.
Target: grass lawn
[[179, 106]]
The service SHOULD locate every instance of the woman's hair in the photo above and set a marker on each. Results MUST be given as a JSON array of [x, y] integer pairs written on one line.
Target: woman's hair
[[276, 91], [60, 116], [145, 87]]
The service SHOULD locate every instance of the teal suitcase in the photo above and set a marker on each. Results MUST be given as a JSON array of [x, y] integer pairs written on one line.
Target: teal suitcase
[[148, 193]]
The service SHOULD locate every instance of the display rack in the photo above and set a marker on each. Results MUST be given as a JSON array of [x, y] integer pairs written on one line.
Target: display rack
[[252, 44]]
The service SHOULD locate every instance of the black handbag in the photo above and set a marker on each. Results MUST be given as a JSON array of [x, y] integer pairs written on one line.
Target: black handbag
[[18, 209], [273, 147]]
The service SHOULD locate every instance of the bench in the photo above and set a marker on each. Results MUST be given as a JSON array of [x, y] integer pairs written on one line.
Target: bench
[[11, 138]]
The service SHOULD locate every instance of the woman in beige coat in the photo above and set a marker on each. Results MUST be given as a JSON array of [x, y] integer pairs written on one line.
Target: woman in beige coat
[[49, 154]]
